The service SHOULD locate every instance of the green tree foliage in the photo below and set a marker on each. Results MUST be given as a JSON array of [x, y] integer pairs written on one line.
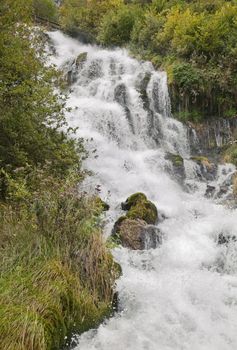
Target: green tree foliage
[[117, 26], [85, 15], [31, 112]]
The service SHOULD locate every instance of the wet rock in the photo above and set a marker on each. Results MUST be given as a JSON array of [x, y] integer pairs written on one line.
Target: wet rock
[[95, 69], [137, 235], [212, 134], [115, 302], [81, 59], [223, 190], [142, 89], [178, 165], [208, 170], [74, 67], [210, 191], [120, 96], [136, 230], [225, 239]]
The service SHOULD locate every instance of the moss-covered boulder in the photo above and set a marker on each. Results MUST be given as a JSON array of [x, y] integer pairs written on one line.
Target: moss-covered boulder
[[81, 59], [136, 229], [139, 207]]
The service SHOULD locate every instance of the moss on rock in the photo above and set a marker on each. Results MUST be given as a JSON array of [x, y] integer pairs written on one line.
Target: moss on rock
[[81, 59], [139, 207], [144, 210], [202, 161], [133, 200], [176, 159]]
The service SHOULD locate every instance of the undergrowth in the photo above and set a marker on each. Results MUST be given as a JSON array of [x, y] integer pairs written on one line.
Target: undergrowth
[[56, 274]]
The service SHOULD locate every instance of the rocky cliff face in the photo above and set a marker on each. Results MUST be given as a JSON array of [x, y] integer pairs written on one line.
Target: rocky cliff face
[[212, 135]]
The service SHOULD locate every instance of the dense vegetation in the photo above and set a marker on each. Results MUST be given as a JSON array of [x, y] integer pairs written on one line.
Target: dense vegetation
[[194, 41], [56, 275]]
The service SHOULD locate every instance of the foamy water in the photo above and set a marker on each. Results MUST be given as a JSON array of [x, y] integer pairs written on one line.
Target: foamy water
[[182, 295]]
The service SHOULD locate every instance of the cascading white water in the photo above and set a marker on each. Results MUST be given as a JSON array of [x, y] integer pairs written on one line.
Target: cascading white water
[[182, 295]]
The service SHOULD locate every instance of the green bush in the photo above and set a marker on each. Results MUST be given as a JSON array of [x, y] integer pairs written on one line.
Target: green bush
[[78, 16], [116, 27], [186, 76], [46, 9]]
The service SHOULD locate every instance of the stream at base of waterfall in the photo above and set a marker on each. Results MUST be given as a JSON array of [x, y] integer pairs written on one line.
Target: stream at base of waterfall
[[183, 294]]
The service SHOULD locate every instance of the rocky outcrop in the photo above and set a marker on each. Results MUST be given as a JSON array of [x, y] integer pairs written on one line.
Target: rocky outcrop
[[142, 89], [74, 67], [212, 134], [136, 230], [121, 96], [178, 166], [81, 59], [226, 238], [208, 169]]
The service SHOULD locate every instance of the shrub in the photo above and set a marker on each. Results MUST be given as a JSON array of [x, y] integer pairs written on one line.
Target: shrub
[[116, 27], [56, 274], [46, 9]]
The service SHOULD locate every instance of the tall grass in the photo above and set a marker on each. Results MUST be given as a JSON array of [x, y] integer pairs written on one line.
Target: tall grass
[[56, 275]]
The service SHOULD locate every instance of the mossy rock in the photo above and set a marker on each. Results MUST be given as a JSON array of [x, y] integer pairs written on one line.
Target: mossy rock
[[202, 161], [133, 200], [118, 223], [176, 159], [139, 207], [144, 210], [81, 59]]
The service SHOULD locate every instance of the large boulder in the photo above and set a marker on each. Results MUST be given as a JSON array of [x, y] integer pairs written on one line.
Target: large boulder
[[136, 230], [137, 235]]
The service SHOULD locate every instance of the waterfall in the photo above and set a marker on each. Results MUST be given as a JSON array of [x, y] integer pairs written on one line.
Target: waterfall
[[183, 294]]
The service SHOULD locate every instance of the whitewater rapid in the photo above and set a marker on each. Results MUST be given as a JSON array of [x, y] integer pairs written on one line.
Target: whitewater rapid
[[183, 294]]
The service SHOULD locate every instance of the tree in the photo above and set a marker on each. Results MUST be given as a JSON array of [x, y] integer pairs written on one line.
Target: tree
[[31, 112]]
